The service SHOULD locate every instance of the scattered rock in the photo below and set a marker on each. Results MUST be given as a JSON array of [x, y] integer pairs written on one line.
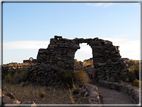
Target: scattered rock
[[29, 102], [8, 100], [10, 95], [82, 90], [86, 94]]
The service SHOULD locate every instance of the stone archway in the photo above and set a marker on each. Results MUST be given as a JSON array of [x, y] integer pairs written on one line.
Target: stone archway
[[106, 58]]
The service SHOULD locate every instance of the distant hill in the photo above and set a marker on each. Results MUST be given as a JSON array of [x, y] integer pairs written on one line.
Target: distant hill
[[128, 61]]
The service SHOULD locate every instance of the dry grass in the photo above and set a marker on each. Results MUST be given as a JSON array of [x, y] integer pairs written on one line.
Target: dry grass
[[81, 77], [53, 96], [31, 93]]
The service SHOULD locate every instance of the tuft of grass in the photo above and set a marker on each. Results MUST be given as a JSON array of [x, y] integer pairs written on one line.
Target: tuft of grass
[[69, 93]]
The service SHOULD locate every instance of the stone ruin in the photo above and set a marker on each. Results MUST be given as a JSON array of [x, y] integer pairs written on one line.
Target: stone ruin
[[59, 56]]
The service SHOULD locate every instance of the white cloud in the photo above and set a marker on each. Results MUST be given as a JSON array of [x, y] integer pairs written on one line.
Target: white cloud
[[99, 4], [86, 49], [128, 48], [25, 45]]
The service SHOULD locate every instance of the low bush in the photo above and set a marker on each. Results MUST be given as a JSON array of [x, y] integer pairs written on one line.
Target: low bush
[[42, 95], [79, 77], [136, 83]]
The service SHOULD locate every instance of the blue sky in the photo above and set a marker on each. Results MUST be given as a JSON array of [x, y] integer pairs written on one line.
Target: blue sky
[[29, 26]]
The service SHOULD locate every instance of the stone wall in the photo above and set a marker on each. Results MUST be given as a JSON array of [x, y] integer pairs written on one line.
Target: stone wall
[[60, 52], [106, 57], [132, 91]]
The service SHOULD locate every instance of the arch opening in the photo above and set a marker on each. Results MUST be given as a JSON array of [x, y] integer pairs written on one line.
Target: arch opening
[[84, 54]]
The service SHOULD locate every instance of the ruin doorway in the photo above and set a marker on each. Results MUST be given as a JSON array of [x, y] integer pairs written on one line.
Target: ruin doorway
[[84, 60]]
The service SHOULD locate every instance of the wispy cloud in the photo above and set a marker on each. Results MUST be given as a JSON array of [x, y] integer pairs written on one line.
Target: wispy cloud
[[99, 4], [25, 45]]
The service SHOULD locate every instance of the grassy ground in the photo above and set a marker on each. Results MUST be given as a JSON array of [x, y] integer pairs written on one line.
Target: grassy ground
[[31, 93]]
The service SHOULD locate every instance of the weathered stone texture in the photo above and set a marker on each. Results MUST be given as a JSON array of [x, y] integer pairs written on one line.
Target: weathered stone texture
[[106, 57]]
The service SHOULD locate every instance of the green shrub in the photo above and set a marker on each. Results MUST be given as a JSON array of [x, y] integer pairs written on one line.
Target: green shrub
[[136, 83], [69, 77], [42, 95]]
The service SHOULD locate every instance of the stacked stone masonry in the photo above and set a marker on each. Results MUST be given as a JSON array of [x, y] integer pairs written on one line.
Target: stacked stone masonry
[[106, 57]]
